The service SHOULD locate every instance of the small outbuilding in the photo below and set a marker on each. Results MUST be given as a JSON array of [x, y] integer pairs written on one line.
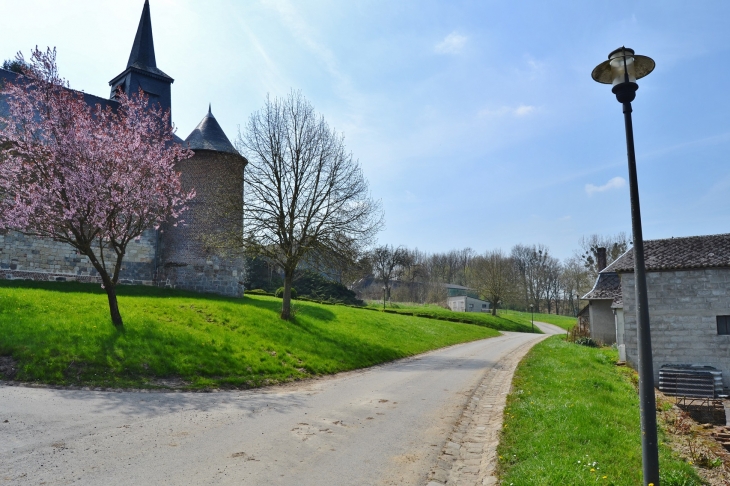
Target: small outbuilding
[[464, 299], [688, 284]]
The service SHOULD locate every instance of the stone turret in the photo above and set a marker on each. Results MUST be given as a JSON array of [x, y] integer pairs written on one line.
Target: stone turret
[[199, 253]]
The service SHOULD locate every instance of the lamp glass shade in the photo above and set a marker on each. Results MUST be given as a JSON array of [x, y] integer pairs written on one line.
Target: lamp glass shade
[[621, 62]]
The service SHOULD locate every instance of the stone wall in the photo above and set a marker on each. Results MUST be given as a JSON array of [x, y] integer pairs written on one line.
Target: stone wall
[[216, 275], [24, 257], [193, 255], [683, 306]]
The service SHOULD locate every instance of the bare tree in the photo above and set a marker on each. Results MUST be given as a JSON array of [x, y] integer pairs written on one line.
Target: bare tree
[[387, 262], [537, 272], [494, 277], [615, 245], [551, 271], [574, 280], [306, 195]]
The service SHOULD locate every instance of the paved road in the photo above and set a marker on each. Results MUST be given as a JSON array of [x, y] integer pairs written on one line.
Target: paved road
[[380, 426]]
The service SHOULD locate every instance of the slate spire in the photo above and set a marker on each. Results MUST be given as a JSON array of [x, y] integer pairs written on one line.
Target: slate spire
[[142, 72], [143, 49]]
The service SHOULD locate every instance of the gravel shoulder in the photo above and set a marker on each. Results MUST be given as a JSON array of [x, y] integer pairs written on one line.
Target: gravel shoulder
[[469, 456]]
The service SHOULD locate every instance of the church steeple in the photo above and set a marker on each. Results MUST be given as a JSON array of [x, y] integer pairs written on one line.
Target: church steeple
[[143, 49], [142, 71]]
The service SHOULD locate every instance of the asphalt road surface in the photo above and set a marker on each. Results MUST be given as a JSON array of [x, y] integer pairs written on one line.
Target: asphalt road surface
[[380, 426]]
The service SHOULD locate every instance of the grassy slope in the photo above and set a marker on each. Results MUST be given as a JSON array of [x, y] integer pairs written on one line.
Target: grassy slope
[[505, 320], [61, 333], [572, 407], [566, 322]]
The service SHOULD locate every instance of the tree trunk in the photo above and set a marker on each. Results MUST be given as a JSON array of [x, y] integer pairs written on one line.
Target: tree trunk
[[286, 298], [110, 287], [111, 293]]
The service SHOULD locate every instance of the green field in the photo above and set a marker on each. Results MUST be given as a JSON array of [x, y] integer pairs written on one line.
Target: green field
[[505, 320], [61, 333], [573, 418]]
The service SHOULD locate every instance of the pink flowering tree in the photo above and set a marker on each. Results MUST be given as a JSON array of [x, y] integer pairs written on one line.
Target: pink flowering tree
[[94, 177]]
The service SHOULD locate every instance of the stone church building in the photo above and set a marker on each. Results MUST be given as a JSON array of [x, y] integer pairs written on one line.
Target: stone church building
[[182, 256]]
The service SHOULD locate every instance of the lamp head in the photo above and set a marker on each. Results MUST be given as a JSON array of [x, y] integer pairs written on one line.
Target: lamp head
[[621, 71]]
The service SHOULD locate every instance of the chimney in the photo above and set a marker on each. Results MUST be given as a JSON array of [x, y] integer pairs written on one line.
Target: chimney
[[601, 258]]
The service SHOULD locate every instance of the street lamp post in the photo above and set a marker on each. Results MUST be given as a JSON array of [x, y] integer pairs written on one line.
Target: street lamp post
[[622, 70], [532, 319], [384, 289]]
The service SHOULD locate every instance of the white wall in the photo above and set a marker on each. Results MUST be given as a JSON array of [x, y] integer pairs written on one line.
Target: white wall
[[467, 304]]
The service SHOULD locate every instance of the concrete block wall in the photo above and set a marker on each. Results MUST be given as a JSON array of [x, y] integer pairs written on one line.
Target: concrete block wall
[[30, 258], [683, 306], [603, 323]]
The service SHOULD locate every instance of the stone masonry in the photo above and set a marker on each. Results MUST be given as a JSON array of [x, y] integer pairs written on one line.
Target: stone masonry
[[191, 250], [24, 257], [683, 306]]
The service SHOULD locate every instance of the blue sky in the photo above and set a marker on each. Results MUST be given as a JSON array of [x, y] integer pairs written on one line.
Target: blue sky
[[476, 122]]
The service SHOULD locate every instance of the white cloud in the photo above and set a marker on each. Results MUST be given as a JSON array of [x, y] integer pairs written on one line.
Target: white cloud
[[615, 183], [521, 110], [452, 44]]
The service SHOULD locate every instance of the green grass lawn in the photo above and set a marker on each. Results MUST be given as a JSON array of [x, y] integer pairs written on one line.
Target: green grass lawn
[[506, 320], [61, 333], [573, 418]]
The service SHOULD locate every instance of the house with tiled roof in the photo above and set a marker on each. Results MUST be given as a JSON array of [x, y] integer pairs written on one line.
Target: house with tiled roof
[[688, 285], [177, 256]]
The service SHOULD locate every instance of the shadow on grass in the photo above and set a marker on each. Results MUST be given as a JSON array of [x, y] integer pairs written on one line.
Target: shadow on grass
[[316, 311], [151, 349], [122, 290], [304, 308]]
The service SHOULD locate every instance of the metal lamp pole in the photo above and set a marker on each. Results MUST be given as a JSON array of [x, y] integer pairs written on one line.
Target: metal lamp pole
[[622, 70], [532, 319], [384, 288]]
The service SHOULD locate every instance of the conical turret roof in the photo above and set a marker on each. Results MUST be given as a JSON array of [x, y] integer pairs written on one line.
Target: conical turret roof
[[209, 135]]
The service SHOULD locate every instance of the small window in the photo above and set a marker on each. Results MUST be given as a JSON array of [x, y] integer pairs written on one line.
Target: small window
[[471, 306], [484, 306], [723, 324]]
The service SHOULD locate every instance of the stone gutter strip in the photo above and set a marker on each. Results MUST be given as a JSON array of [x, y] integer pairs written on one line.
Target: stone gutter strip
[[469, 457]]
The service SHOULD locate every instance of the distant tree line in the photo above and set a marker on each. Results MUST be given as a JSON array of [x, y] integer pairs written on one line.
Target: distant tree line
[[527, 275]]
